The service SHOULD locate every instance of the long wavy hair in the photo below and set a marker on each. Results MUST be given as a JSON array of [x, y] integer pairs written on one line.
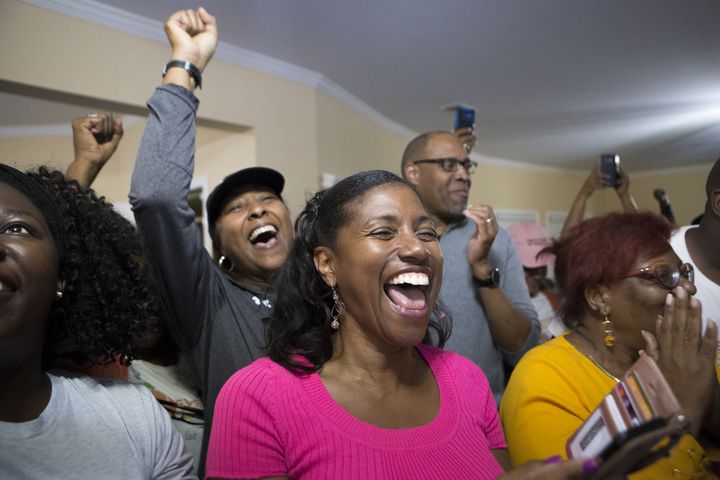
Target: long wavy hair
[[110, 302], [298, 333]]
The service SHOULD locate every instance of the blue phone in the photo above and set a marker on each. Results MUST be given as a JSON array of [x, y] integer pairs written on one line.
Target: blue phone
[[610, 165], [464, 117]]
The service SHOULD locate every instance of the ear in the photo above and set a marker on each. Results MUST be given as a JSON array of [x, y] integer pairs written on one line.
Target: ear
[[715, 201], [598, 298], [411, 173], [325, 264]]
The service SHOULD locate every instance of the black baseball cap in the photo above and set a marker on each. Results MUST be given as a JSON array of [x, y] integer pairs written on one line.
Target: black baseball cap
[[262, 176]]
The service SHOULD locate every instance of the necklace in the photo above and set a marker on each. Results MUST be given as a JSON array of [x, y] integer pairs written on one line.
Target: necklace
[[601, 367], [590, 357]]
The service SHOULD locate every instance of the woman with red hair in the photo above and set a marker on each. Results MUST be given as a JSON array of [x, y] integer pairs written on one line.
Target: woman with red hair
[[624, 291]]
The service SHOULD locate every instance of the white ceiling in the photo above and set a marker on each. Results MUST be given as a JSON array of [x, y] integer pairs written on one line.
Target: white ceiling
[[555, 82]]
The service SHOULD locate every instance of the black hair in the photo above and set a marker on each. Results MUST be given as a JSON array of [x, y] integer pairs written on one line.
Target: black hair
[[298, 332], [109, 301]]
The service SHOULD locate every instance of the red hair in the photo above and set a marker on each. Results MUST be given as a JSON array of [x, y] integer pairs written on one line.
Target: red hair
[[603, 249]]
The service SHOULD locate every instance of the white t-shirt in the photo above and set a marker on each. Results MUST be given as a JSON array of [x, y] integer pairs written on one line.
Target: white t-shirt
[[94, 429], [550, 325], [173, 383], [708, 292]]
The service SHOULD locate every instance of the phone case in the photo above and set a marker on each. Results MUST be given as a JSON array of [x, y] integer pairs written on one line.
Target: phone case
[[609, 165], [641, 395]]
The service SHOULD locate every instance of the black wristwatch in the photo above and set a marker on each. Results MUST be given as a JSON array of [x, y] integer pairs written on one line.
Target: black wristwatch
[[492, 281]]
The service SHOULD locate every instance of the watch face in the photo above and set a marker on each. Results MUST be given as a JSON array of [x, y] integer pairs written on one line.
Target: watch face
[[493, 280], [495, 276]]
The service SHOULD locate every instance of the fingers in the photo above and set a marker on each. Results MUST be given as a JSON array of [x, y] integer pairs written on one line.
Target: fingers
[[665, 325], [105, 127], [484, 218], [651, 345], [709, 343], [208, 20], [193, 36], [467, 137]]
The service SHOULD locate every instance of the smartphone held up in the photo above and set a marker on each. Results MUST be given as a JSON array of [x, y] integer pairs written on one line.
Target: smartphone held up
[[610, 168], [464, 117]]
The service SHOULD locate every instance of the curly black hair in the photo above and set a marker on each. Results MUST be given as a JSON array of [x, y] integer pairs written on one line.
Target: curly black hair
[[110, 299], [298, 332]]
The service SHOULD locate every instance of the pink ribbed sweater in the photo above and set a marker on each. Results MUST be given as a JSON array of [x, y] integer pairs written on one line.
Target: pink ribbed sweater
[[270, 422]]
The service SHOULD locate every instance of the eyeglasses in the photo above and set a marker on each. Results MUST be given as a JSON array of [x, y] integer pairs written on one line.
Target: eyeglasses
[[451, 164], [667, 274]]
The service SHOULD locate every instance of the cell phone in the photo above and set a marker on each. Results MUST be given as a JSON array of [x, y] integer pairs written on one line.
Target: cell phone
[[464, 117], [641, 446], [610, 166], [623, 438]]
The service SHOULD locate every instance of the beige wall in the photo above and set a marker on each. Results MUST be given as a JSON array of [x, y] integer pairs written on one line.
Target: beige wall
[[254, 118]]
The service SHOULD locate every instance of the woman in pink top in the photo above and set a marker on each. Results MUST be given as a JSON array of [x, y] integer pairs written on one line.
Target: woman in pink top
[[352, 387]]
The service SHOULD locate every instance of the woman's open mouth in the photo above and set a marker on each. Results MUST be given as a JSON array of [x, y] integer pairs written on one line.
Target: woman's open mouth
[[408, 291]]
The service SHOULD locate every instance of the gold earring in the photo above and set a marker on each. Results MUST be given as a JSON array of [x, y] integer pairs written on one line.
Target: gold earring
[[608, 332]]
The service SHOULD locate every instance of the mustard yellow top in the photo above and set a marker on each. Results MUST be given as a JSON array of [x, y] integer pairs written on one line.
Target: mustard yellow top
[[552, 391]]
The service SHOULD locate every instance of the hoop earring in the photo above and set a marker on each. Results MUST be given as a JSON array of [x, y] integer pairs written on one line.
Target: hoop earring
[[223, 263], [337, 309], [608, 332]]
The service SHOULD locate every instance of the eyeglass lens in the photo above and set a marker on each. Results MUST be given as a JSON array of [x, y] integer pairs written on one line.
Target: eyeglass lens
[[669, 275], [452, 164]]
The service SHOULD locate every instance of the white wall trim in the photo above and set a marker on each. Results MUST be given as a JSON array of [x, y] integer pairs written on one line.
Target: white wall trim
[[55, 129], [45, 130], [674, 170], [127, 22]]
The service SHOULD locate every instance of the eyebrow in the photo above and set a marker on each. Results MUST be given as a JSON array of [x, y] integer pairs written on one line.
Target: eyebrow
[[8, 213], [393, 218]]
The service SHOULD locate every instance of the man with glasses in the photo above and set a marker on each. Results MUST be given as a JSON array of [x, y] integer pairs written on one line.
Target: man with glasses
[[698, 245], [483, 288]]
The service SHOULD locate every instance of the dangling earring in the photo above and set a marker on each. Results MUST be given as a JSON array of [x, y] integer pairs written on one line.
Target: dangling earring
[[59, 294], [608, 332], [223, 263], [337, 309]]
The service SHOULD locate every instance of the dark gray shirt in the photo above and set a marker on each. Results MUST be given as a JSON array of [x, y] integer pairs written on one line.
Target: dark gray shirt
[[471, 336], [220, 320]]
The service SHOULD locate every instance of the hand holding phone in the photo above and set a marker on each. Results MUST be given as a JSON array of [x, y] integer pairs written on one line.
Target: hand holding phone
[[610, 169], [641, 446]]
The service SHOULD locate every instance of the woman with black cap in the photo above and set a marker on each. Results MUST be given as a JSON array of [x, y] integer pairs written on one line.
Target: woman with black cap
[[218, 304], [69, 270]]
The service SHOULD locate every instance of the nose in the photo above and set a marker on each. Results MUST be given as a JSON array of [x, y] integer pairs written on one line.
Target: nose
[[256, 209], [411, 248], [462, 174]]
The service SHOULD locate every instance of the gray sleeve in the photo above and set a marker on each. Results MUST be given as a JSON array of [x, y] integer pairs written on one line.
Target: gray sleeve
[[171, 460], [512, 281], [158, 195]]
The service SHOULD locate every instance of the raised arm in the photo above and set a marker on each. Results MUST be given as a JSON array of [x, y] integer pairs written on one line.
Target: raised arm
[[512, 328], [95, 139], [593, 182], [163, 174], [623, 190]]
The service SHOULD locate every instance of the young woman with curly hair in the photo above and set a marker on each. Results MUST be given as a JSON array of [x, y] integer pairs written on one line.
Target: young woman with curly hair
[[71, 274]]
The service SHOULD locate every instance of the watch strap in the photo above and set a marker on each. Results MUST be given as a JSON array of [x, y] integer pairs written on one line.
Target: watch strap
[[192, 70]]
